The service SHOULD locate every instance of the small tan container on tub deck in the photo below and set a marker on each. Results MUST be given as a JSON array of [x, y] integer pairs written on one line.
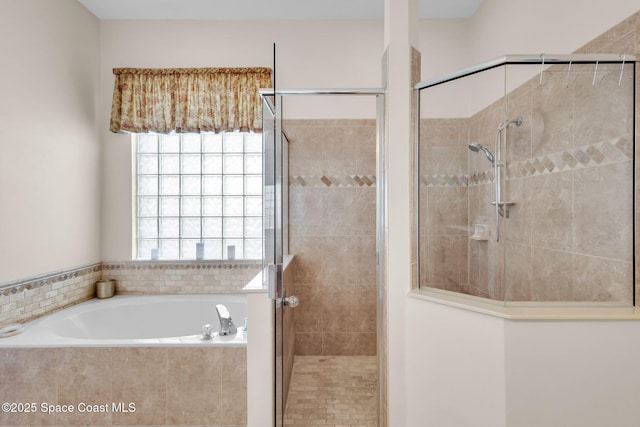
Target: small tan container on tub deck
[[105, 288]]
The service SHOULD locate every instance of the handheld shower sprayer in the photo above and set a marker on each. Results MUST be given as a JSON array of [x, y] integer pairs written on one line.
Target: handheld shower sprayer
[[474, 146]]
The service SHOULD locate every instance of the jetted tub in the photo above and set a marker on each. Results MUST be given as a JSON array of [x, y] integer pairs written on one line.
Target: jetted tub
[[134, 320]]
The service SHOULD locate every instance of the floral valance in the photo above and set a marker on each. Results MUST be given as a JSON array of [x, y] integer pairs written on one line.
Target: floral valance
[[188, 99]]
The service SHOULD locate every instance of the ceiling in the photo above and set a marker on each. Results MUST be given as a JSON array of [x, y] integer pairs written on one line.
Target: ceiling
[[269, 9]]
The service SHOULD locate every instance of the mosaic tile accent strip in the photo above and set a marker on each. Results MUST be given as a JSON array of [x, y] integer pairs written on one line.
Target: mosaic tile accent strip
[[180, 277], [187, 265], [27, 299], [30, 283], [442, 180], [599, 154], [346, 181], [602, 153]]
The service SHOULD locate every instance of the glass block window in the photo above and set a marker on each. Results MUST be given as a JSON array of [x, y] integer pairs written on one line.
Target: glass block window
[[198, 196]]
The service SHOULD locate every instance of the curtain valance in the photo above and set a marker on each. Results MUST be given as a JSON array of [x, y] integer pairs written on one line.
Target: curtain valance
[[188, 99]]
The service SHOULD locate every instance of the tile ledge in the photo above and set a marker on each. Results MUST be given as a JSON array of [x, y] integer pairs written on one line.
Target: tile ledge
[[256, 285], [479, 305]]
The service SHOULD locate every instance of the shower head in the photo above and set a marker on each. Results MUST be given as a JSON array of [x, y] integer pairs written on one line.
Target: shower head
[[474, 146], [517, 121]]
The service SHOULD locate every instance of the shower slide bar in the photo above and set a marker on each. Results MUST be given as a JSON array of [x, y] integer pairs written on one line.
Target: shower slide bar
[[542, 59]]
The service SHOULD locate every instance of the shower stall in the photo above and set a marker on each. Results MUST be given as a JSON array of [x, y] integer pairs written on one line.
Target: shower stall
[[320, 189], [525, 178]]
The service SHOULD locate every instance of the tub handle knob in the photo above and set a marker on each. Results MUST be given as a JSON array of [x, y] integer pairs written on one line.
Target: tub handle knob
[[292, 301], [207, 332]]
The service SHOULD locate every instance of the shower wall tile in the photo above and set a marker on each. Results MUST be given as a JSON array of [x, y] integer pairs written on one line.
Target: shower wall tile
[[365, 262], [552, 275], [518, 272], [308, 343], [446, 159], [599, 279], [365, 312], [609, 103], [518, 228], [447, 210], [332, 211], [447, 259], [552, 211], [595, 199], [310, 209], [311, 298], [519, 137], [339, 308], [366, 344], [366, 150], [554, 115], [341, 344]]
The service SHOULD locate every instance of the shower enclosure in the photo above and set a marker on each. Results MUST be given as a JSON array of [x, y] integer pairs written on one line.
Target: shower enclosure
[[320, 186], [526, 180]]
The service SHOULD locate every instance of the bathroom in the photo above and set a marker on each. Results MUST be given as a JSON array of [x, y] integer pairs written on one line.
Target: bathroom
[[71, 202]]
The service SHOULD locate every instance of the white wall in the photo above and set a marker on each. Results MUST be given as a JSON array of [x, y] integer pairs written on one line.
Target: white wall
[[49, 150], [310, 54], [455, 367], [572, 373]]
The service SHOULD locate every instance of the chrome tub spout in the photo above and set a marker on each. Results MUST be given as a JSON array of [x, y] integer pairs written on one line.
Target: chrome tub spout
[[226, 323]]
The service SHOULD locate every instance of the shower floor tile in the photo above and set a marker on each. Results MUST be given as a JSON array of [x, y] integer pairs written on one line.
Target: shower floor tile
[[336, 391]]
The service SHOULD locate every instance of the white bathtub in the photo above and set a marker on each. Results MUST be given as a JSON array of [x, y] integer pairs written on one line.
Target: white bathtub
[[134, 320]]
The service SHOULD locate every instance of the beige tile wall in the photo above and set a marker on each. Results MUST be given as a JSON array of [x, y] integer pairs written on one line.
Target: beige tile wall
[[29, 298], [332, 234], [180, 277], [569, 166], [26, 299], [169, 386]]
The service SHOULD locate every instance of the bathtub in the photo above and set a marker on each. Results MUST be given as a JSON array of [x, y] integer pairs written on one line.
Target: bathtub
[[135, 320], [138, 359]]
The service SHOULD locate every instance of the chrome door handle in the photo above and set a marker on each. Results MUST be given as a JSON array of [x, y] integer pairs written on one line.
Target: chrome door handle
[[291, 301]]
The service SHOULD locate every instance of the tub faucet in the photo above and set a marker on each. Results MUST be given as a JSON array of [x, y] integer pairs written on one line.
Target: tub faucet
[[226, 323]]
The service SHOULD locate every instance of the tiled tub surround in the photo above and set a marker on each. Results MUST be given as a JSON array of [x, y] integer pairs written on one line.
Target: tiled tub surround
[[178, 386], [332, 234], [29, 298], [570, 173], [178, 381]]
